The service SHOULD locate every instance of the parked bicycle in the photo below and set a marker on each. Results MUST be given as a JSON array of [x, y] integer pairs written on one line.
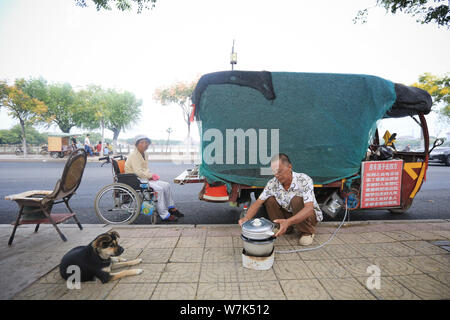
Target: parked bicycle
[[122, 201]]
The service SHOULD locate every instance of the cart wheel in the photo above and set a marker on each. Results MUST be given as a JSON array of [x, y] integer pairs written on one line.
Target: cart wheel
[[400, 210], [61, 154], [117, 203], [54, 155]]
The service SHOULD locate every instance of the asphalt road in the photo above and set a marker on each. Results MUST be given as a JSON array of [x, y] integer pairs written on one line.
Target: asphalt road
[[432, 202]]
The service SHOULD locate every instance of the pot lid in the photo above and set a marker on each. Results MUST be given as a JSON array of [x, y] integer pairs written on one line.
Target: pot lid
[[259, 228]]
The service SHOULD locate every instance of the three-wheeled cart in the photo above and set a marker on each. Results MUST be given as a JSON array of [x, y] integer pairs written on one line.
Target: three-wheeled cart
[[325, 123], [59, 145]]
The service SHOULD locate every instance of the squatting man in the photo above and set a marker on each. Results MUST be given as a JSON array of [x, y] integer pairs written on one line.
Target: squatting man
[[289, 200]]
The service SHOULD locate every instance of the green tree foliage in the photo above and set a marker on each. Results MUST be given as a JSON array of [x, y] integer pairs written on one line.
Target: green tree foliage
[[14, 135], [21, 107], [439, 89], [122, 5], [178, 94], [64, 105], [426, 11], [123, 109]]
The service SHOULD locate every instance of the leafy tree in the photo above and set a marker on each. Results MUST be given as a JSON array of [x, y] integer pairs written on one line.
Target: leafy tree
[[21, 107], [426, 11], [122, 5], [62, 102], [179, 94], [123, 109], [439, 89]]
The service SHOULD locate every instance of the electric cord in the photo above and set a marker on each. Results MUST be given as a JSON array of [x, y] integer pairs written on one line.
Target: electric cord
[[323, 244]]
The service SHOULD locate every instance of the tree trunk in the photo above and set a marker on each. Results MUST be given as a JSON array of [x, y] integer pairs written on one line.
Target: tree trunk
[[24, 138], [103, 137], [116, 133]]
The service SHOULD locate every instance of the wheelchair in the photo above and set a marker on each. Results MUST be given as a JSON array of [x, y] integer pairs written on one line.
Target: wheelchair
[[121, 201]]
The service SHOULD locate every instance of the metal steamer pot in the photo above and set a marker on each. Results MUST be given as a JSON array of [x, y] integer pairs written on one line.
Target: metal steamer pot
[[258, 237]]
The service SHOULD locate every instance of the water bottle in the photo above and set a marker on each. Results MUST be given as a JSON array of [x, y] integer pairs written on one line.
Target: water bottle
[[147, 208]]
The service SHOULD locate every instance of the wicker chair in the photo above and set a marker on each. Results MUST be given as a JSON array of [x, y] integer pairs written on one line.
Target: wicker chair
[[35, 206]]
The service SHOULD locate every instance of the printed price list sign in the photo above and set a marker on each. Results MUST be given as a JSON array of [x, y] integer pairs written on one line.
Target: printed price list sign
[[381, 183]]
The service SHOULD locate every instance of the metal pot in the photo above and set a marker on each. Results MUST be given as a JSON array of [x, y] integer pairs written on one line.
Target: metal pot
[[258, 229], [258, 248], [257, 235]]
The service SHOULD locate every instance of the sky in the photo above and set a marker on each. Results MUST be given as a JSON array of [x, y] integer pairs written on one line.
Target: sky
[[181, 40]]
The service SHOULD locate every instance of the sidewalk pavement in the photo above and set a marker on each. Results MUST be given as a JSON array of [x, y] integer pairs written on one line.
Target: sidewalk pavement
[[204, 262], [176, 158]]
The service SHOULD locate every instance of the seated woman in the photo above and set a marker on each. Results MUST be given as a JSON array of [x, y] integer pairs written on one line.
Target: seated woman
[[137, 163]]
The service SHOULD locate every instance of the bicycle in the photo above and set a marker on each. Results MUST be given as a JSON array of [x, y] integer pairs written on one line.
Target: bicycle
[[121, 201]]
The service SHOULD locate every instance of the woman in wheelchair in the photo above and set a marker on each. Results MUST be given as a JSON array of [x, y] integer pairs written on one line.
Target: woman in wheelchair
[[137, 163]]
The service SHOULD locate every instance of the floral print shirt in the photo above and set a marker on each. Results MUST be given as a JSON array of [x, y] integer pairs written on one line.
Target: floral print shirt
[[301, 185]]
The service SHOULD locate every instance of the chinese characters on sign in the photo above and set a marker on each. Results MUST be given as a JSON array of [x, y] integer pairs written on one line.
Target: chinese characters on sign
[[381, 183]]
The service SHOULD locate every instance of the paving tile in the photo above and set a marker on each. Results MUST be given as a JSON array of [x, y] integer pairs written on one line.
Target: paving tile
[[187, 255], [443, 277], [342, 251], [174, 291], [131, 254], [401, 235], [135, 233], [261, 290], [424, 247], [424, 286], [398, 249], [219, 242], [286, 270], [442, 258], [191, 242], [218, 272], [167, 232], [249, 275], [223, 231], [357, 267], [216, 255], [89, 291], [346, 289], [152, 273], [427, 235], [237, 241], [194, 232], [218, 291], [308, 289], [131, 291], [352, 238], [426, 264], [392, 266], [283, 241], [53, 277], [376, 237], [321, 238], [369, 250], [443, 233], [134, 243], [286, 256], [168, 242], [156, 255], [180, 272], [389, 289], [319, 254], [42, 291], [327, 269]]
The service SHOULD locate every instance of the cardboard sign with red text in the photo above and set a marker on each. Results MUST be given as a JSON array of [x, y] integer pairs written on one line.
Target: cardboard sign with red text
[[381, 183]]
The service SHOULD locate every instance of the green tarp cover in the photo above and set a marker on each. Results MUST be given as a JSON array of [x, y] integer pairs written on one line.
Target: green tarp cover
[[324, 122]]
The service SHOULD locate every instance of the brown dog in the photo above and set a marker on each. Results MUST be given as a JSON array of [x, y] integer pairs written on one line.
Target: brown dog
[[98, 258]]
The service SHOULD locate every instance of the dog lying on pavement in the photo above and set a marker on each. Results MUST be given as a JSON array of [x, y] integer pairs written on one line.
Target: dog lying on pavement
[[97, 259]]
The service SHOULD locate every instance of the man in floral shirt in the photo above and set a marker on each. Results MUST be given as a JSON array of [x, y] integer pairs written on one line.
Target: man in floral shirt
[[290, 201]]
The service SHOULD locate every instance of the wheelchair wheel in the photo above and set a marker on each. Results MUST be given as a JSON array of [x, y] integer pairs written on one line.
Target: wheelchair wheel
[[117, 203]]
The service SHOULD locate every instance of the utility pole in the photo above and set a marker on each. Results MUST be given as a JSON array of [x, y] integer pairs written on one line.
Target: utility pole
[[233, 57]]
